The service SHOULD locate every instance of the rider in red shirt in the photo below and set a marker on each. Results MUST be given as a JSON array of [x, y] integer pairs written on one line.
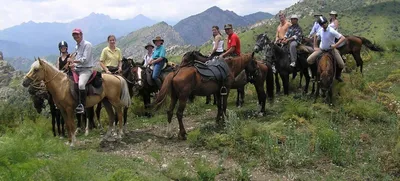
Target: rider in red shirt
[[233, 42]]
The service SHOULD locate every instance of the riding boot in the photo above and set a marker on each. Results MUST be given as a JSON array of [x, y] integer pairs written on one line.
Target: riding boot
[[158, 83], [339, 74], [80, 109]]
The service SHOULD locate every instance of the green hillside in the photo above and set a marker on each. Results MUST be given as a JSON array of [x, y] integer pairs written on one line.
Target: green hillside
[[376, 22]]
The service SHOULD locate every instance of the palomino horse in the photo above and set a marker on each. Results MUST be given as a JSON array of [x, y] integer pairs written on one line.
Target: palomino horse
[[353, 46], [326, 69], [256, 72], [114, 95], [187, 81], [129, 73], [282, 60]]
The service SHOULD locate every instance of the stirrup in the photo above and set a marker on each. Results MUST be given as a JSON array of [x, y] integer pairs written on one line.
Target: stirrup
[[80, 109], [223, 91]]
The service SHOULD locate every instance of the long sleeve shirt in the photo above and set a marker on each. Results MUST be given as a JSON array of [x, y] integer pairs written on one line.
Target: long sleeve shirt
[[296, 32], [84, 55], [315, 28]]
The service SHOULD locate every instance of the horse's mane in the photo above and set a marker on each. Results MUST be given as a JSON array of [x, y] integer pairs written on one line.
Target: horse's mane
[[46, 62]]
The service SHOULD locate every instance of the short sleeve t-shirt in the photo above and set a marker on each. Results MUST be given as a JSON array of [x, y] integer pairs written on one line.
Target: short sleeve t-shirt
[[328, 37], [233, 41]]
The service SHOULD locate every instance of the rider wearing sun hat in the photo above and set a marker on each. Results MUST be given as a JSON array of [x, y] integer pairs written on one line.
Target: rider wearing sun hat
[[158, 59], [293, 36], [147, 58]]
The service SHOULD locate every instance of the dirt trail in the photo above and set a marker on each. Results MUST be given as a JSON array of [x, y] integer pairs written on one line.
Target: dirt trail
[[154, 146]]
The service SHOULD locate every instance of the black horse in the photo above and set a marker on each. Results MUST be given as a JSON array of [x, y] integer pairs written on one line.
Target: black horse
[[282, 61]]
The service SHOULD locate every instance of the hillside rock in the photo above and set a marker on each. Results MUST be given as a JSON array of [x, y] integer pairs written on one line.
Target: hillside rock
[[196, 29]]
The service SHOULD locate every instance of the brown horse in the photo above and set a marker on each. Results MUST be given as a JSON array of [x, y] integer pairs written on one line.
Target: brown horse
[[353, 45], [326, 68], [256, 72], [114, 95], [187, 81]]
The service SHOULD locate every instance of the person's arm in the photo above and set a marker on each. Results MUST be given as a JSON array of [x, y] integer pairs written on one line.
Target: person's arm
[[277, 35], [120, 62], [87, 50], [160, 58], [338, 36], [216, 39], [336, 22]]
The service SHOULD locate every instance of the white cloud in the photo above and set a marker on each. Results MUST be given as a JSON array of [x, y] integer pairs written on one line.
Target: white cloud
[[15, 12]]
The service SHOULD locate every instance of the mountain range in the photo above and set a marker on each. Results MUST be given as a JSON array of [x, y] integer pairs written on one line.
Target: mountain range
[[40, 39], [196, 29]]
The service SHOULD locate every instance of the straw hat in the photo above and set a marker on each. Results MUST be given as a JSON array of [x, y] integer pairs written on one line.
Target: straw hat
[[158, 38], [148, 44]]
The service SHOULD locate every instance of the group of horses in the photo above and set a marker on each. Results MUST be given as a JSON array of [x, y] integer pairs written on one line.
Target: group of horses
[[183, 82]]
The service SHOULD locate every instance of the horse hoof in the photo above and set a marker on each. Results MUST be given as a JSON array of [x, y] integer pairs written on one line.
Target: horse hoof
[[261, 114], [182, 137], [86, 133], [61, 137]]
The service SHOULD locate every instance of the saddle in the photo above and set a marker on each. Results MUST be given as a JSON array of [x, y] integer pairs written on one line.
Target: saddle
[[149, 72], [215, 69], [93, 86]]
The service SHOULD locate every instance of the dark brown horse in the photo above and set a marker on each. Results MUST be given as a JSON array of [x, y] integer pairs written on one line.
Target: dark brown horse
[[326, 68], [187, 81], [256, 73], [353, 45]]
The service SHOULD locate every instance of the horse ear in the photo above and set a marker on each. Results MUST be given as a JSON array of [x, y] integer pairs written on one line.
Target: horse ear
[[40, 61], [252, 54]]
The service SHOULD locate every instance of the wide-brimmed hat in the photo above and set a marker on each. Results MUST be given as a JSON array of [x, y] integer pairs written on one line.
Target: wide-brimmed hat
[[333, 12], [294, 17], [158, 38], [228, 26], [148, 44]]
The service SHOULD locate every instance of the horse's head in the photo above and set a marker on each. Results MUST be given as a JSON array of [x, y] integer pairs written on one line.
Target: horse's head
[[326, 72], [35, 74], [261, 41], [188, 58], [132, 71]]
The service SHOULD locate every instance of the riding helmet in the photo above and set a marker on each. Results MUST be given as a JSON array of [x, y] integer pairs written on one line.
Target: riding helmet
[[62, 43], [322, 20]]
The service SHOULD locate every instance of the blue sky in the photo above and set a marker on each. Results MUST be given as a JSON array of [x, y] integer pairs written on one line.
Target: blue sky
[[15, 12]]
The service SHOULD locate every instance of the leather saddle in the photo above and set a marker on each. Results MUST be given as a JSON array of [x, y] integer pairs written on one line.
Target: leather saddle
[[215, 69], [93, 86], [149, 72]]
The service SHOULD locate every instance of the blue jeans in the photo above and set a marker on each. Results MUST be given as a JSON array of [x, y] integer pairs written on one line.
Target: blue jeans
[[157, 69]]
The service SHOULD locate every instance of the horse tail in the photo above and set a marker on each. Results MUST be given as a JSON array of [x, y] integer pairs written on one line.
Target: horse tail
[[164, 91], [270, 83], [371, 45], [125, 97]]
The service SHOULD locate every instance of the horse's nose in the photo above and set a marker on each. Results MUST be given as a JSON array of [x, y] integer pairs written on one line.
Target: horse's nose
[[256, 49]]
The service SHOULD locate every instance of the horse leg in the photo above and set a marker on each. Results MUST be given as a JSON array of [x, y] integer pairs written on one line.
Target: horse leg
[[285, 82], [118, 111], [262, 97], [317, 91], [146, 101], [179, 115], [215, 99], [208, 99], [125, 118], [240, 97], [69, 117], [305, 73], [358, 59], [238, 105], [170, 112], [301, 78], [110, 113], [98, 110], [278, 85], [53, 120], [79, 117], [89, 120], [58, 121]]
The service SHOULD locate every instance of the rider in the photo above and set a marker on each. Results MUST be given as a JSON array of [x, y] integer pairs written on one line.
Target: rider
[[158, 59], [316, 27], [147, 58], [218, 42], [61, 64], [82, 65], [328, 35], [233, 42], [333, 22], [111, 57], [282, 28], [293, 36]]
